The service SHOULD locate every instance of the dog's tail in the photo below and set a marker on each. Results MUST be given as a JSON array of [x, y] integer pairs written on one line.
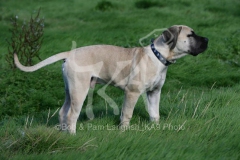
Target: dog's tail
[[41, 64]]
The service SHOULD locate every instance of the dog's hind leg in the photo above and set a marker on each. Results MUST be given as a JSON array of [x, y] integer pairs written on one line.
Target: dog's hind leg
[[64, 110], [78, 90]]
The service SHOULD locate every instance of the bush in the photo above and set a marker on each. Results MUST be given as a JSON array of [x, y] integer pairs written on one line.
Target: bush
[[104, 5], [26, 40], [145, 4]]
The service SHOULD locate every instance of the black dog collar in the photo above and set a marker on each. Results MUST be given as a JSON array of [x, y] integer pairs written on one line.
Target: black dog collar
[[159, 55]]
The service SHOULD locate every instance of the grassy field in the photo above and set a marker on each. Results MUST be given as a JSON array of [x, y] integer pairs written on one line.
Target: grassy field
[[199, 103]]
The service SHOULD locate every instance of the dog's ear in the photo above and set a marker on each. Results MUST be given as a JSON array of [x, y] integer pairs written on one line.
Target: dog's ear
[[170, 36]]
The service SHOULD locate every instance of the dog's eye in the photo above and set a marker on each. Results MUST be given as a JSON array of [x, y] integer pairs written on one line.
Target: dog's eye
[[191, 35]]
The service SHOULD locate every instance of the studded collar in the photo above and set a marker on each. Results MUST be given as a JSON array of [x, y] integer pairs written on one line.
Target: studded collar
[[159, 55]]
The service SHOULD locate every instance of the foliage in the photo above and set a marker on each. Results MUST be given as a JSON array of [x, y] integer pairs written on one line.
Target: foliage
[[26, 40], [24, 97], [104, 5], [145, 4]]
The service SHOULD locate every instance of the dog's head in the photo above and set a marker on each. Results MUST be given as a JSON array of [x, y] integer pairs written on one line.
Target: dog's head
[[182, 40]]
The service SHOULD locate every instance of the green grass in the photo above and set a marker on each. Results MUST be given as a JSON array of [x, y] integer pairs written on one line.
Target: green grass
[[199, 101]]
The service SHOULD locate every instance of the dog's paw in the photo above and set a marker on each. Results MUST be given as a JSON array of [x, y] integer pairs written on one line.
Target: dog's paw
[[72, 132], [124, 126], [154, 120]]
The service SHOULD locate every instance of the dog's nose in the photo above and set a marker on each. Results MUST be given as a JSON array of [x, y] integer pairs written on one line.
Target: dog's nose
[[206, 39]]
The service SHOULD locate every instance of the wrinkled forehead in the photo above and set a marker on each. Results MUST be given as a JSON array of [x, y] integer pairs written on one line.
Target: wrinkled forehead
[[186, 30]]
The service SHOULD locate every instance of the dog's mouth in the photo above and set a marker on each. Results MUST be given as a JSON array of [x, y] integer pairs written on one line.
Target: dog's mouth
[[200, 47]]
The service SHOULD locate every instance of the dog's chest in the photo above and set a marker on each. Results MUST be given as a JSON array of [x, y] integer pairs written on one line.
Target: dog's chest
[[157, 81]]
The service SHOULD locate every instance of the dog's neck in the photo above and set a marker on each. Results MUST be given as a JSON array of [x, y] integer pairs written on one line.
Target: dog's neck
[[161, 51], [164, 49], [158, 54]]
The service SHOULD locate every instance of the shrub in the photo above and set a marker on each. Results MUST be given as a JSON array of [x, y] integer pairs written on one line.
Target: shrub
[[26, 40], [145, 4], [104, 5]]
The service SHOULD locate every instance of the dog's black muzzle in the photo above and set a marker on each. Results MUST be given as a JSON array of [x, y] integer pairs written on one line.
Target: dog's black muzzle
[[200, 46]]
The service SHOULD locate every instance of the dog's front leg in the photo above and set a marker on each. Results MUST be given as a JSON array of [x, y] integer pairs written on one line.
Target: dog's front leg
[[153, 99], [128, 107]]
